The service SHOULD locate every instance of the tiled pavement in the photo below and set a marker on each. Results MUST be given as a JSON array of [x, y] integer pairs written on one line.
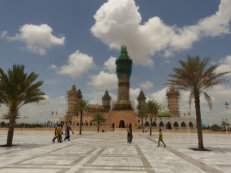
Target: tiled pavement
[[109, 152]]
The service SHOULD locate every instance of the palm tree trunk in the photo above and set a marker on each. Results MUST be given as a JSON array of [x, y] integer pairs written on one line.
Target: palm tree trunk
[[98, 126], [142, 121], [198, 119], [10, 134], [150, 125], [81, 121]]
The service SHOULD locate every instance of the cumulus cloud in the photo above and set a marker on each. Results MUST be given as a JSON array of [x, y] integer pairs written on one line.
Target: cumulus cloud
[[38, 38], [104, 80], [146, 85], [41, 111], [225, 65], [77, 64], [119, 22], [110, 64], [134, 93]]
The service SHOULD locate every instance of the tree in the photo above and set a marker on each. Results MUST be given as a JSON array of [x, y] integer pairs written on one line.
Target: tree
[[151, 109], [18, 88], [98, 117], [141, 114], [194, 76], [81, 106]]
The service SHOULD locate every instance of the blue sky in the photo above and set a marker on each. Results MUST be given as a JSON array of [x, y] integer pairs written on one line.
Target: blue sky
[[77, 42]]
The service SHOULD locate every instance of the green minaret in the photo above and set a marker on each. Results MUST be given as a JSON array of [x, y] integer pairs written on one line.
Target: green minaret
[[123, 71]]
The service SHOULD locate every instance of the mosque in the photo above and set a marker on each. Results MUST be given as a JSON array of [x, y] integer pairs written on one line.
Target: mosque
[[121, 113]]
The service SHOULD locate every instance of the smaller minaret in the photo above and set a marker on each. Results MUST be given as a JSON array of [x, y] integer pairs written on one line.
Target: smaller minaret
[[79, 95], [141, 100], [106, 99], [173, 97], [72, 99]]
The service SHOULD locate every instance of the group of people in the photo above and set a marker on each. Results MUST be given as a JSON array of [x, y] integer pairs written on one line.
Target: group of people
[[59, 133], [130, 136]]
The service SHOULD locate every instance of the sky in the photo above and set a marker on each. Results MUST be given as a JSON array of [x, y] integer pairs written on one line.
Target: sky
[[77, 42]]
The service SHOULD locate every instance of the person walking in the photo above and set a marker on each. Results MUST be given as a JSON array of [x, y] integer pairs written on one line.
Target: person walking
[[67, 132], [160, 138], [129, 134], [57, 133]]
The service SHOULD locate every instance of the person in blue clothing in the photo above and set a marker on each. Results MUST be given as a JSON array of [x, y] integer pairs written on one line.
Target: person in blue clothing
[[67, 132]]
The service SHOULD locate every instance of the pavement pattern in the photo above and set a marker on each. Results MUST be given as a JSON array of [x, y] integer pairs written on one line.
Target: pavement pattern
[[109, 152]]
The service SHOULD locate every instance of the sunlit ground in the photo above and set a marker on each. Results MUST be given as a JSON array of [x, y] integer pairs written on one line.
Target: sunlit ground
[[109, 152]]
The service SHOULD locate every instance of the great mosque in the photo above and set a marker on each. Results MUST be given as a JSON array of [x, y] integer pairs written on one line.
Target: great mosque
[[121, 114]]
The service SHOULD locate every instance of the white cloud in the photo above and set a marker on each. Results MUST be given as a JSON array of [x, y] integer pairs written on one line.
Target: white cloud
[[38, 38], [40, 112], [225, 65], [134, 93], [104, 80], [77, 64], [160, 96], [146, 85], [110, 64], [3, 34], [53, 66], [118, 22]]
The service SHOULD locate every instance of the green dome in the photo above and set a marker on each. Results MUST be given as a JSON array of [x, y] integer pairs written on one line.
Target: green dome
[[123, 63], [164, 113]]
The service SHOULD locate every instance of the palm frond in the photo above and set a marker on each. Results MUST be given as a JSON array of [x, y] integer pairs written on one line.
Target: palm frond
[[208, 99]]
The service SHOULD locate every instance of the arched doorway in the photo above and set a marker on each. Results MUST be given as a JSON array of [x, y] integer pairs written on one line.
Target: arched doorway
[[122, 124], [168, 125]]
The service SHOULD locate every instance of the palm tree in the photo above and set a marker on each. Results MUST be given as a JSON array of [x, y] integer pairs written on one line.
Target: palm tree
[[141, 114], [151, 109], [195, 77], [18, 88], [81, 106], [98, 117]]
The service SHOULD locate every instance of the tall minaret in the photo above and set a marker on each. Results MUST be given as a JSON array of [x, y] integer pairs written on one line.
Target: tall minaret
[[73, 97], [106, 99], [141, 100], [173, 97], [123, 71]]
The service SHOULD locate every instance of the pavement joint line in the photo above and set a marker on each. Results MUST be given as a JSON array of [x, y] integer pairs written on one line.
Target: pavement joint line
[[201, 165]]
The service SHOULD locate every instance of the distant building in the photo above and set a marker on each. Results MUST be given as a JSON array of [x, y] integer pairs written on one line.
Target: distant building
[[122, 114]]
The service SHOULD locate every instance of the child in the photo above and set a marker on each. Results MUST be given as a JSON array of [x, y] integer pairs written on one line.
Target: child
[[160, 138]]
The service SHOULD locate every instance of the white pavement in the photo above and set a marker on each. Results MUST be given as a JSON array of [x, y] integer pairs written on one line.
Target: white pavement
[[109, 152]]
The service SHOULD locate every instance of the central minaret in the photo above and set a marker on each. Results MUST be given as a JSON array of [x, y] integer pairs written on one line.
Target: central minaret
[[123, 71]]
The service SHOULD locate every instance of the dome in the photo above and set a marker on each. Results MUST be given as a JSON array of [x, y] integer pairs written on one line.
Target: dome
[[164, 113]]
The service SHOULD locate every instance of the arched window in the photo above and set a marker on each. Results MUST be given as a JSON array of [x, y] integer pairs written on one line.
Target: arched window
[[154, 123], [183, 124], [90, 124], [176, 124], [77, 124], [146, 123], [161, 124], [190, 124], [138, 121], [86, 124]]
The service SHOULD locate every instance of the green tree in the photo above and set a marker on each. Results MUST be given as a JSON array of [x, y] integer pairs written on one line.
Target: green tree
[[195, 77], [225, 124], [151, 109], [98, 117], [81, 106], [141, 114], [18, 88]]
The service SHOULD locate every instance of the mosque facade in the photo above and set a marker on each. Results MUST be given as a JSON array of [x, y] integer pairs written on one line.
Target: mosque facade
[[121, 113]]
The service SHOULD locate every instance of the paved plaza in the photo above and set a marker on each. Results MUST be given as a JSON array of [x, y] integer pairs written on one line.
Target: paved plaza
[[109, 153]]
